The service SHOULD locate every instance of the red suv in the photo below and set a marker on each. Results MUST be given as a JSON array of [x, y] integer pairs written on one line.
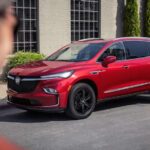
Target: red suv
[[79, 75]]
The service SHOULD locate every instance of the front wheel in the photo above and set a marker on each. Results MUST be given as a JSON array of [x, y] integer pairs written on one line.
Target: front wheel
[[82, 101]]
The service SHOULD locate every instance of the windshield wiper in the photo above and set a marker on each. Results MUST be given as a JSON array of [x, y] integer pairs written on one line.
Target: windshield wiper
[[64, 60], [72, 60]]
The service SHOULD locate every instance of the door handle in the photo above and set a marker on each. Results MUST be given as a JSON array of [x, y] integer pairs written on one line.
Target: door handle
[[125, 67]]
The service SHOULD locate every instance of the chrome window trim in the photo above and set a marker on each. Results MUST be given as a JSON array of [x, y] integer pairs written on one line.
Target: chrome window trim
[[126, 88]]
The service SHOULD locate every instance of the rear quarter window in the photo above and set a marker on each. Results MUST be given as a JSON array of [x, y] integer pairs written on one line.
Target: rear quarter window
[[136, 49]]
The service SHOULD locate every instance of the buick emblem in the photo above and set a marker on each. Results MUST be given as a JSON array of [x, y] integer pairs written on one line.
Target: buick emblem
[[17, 80]]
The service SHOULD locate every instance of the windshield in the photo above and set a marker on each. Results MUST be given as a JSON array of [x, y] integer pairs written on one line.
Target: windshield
[[77, 52]]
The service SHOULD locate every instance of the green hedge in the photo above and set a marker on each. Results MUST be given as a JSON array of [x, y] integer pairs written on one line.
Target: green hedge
[[20, 58], [131, 19], [147, 19]]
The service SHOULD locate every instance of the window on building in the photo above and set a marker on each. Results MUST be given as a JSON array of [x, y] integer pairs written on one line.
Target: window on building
[[26, 38], [84, 19], [136, 49]]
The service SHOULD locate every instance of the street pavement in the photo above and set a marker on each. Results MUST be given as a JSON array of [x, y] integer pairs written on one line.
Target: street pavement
[[115, 125]]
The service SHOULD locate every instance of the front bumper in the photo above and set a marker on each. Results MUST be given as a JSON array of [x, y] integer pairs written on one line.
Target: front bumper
[[37, 109], [37, 101]]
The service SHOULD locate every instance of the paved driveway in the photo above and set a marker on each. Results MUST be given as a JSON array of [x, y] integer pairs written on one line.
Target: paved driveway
[[115, 125]]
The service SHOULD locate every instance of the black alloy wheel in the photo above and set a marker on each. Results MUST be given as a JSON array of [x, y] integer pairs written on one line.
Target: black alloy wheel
[[82, 101]]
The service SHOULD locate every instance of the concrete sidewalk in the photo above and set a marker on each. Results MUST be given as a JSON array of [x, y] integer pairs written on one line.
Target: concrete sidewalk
[[3, 88]]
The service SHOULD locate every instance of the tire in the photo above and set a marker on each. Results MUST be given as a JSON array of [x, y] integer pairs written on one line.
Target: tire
[[81, 102]]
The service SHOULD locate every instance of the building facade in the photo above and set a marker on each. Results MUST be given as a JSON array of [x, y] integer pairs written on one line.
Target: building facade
[[46, 25]]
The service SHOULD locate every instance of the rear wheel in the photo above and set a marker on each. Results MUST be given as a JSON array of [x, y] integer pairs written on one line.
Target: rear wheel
[[82, 101]]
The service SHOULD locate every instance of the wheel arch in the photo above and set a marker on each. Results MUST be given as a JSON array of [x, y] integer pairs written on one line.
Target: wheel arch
[[89, 82]]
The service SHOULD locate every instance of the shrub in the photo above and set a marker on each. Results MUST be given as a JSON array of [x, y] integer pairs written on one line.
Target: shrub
[[147, 19], [20, 58], [131, 19]]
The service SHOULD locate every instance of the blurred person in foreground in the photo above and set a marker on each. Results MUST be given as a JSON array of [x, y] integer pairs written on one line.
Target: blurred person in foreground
[[7, 27]]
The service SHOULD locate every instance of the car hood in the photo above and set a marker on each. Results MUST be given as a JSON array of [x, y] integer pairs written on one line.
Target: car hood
[[43, 68]]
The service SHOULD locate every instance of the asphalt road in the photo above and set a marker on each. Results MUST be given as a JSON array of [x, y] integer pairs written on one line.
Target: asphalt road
[[115, 125]]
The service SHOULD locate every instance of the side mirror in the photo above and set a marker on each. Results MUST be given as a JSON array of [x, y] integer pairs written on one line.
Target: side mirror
[[108, 60]]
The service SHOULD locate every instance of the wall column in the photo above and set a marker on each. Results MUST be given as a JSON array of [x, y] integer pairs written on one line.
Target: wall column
[[54, 25]]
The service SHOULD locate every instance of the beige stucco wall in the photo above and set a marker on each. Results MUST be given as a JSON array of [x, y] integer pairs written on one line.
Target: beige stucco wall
[[111, 18], [54, 25]]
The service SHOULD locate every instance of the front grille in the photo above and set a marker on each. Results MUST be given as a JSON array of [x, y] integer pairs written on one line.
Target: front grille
[[23, 86], [24, 102]]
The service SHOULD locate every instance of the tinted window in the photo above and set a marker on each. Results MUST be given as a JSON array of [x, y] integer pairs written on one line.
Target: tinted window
[[148, 45], [114, 50], [136, 49]]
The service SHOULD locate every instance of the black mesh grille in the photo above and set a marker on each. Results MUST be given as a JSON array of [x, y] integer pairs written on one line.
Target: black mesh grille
[[23, 87], [25, 102]]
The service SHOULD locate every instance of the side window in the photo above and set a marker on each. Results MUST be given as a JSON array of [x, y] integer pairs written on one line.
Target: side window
[[116, 49], [148, 46], [136, 49]]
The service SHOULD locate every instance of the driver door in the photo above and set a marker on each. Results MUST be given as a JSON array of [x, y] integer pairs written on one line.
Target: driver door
[[117, 75]]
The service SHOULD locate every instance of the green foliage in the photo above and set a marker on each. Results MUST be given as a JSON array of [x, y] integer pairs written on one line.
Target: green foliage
[[20, 58], [131, 19], [24, 57], [147, 19]]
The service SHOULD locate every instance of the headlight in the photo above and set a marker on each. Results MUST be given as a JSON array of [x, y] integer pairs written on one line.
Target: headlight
[[66, 74]]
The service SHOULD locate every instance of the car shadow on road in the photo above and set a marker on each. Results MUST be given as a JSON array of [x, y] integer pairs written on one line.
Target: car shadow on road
[[141, 99], [11, 114], [32, 117]]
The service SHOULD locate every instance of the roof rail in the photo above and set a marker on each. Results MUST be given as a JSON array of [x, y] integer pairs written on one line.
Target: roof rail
[[88, 39]]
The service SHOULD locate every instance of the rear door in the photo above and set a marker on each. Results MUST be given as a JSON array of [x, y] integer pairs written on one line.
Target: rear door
[[138, 59]]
